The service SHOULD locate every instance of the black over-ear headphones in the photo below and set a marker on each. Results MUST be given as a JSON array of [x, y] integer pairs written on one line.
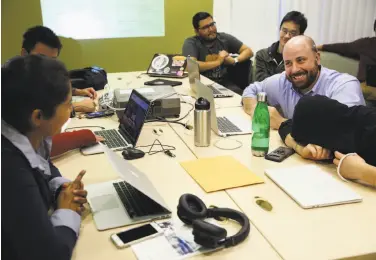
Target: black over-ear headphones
[[192, 211]]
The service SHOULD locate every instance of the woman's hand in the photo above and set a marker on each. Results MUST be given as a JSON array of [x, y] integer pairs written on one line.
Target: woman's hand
[[72, 195], [99, 138], [350, 166]]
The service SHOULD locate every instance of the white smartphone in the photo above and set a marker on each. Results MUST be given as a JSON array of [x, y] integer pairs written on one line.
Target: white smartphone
[[136, 235]]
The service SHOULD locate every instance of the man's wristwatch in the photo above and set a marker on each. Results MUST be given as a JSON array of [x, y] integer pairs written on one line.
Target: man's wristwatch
[[235, 61]]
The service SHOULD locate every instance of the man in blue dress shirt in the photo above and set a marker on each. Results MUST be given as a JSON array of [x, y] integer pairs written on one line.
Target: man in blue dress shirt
[[303, 76]]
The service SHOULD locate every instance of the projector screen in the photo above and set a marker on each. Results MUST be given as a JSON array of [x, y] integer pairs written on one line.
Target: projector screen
[[99, 19]]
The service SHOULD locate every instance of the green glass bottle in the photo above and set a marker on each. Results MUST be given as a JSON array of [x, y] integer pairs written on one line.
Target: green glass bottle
[[260, 127]]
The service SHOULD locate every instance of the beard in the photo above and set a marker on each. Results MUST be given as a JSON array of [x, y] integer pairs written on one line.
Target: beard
[[208, 39], [310, 78]]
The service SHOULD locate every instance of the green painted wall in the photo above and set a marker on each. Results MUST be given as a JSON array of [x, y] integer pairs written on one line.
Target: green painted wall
[[115, 55]]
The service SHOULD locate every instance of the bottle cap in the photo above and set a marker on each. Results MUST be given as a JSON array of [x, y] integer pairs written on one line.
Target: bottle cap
[[261, 97], [202, 104]]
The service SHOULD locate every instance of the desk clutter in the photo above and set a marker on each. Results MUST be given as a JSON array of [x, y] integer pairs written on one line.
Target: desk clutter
[[187, 154], [164, 100], [200, 234], [192, 211], [177, 242], [198, 229]]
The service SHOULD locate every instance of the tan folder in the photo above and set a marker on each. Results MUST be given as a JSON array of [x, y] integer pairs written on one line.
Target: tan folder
[[220, 173]]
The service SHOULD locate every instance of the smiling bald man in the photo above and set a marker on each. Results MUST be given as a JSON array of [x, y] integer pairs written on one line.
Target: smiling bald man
[[303, 76]]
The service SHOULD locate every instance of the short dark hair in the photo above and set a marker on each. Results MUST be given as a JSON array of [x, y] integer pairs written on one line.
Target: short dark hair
[[198, 17], [32, 82], [297, 18], [40, 34]]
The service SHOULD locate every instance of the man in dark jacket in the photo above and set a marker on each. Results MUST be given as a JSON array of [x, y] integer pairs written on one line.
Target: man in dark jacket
[[269, 61], [364, 50]]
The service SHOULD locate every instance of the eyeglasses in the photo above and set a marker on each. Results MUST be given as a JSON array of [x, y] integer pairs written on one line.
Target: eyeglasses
[[207, 26], [292, 33]]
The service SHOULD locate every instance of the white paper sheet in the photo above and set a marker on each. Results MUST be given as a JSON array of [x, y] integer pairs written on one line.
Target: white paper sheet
[[176, 243]]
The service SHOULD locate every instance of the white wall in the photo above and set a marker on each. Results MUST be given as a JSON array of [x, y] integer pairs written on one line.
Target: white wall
[[332, 21], [222, 14], [256, 22]]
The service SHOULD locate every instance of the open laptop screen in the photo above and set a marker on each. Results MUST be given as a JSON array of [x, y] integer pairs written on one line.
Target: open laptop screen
[[193, 73], [134, 116]]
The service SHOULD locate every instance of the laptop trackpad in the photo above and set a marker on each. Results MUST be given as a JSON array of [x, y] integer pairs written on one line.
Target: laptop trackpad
[[104, 202], [106, 206]]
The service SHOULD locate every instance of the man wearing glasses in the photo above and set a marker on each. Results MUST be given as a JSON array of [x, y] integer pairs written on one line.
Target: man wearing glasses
[[269, 61], [211, 49]]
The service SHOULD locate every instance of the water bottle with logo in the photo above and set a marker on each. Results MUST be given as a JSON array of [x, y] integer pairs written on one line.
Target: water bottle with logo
[[260, 127], [202, 123]]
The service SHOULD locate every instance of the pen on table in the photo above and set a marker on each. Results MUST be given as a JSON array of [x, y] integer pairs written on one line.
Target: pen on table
[[184, 246]]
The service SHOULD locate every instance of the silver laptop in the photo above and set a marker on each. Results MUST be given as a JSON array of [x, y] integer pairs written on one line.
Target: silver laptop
[[130, 126], [226, 125], [167, 66], [311, 187], [132, 199], [219, 91]]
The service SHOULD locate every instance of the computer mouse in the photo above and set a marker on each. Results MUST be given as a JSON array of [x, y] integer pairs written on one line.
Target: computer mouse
[[132, 153]]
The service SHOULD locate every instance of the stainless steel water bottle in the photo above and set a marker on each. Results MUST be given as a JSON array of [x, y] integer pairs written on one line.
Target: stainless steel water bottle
[[202, 123]]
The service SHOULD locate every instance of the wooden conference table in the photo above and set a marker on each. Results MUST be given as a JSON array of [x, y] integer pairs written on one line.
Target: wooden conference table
[[171, 181], [287, 232]]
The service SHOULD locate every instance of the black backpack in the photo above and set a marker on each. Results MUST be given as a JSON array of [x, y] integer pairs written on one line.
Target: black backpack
[[90, 77]]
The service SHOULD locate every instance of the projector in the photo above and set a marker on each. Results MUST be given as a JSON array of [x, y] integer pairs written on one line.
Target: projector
[[163, 104]]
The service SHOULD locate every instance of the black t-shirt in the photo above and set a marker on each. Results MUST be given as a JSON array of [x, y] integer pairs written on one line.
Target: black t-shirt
[[196, 47]]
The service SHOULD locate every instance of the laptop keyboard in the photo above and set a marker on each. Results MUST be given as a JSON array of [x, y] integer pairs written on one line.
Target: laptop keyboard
[[112, 138], [226, 126], [135, 202], [215, 91]]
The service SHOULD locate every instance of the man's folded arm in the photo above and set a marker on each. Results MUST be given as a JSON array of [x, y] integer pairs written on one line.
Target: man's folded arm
[[249, 99]]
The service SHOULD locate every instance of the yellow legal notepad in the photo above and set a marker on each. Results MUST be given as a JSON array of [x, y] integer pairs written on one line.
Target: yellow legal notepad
[[219, 173]]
